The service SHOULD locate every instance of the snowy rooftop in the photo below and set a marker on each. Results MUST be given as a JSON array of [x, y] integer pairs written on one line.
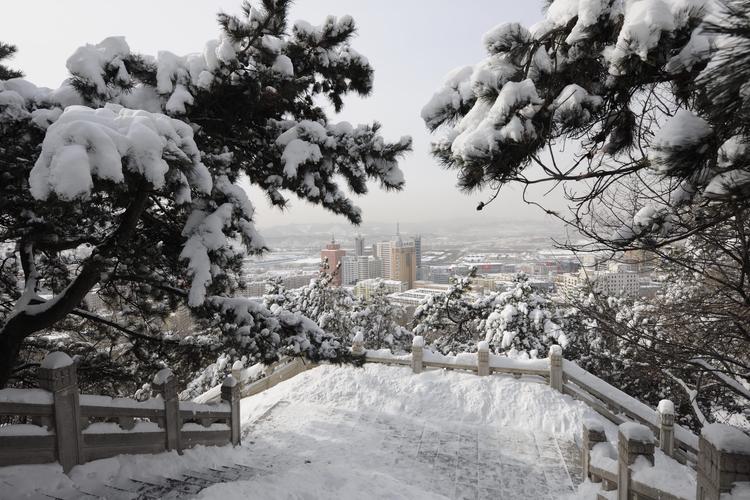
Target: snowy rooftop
[[372, 432]]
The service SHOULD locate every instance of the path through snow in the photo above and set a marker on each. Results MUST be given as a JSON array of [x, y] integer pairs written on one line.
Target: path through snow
[[375, 432]]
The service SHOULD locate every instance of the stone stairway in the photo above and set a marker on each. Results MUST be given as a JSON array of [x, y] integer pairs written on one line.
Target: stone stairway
[[189, 483]]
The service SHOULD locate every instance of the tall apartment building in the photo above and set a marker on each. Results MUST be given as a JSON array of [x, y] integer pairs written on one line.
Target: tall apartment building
[[369, 267], [359, 245], [418, 249], [334, 254], [349, 269], [358, 268], [404, 264], [421, 271], [383, 252], [376, 267], [399, 260]]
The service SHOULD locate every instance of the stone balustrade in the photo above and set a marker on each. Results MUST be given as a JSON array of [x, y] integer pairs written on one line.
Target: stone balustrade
[[73, 429]]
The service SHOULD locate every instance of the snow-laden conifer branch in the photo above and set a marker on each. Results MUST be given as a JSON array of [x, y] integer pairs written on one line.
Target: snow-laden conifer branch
[[138, 176]]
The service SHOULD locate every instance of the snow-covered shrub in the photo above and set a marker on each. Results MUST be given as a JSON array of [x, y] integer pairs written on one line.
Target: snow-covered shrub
[[379, 321], [523, 319]]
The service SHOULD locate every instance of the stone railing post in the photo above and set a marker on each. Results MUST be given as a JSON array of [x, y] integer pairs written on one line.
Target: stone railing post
[[633, 440], [665, 411], [166, 385], [593, 434], [358, 345], [556, 367], [230, 392], [723, 459], [483, 358], [237, 368], [417, 346], [57, 374]]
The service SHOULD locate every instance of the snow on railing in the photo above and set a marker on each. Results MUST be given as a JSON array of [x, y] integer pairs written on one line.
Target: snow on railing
[[421, 357], [619, 407], [636, 468], [258, 377], [73, 429]]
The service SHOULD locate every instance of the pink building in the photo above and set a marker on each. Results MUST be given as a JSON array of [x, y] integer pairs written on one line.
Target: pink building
[[334, 254]]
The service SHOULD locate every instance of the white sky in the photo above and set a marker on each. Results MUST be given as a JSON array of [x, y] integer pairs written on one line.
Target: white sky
[[411, 44]]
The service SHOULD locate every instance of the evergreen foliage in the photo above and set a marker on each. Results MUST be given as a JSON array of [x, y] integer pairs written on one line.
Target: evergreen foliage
[[124, 182], [650, 99], [380, 320], [518, 322], [6, 52]]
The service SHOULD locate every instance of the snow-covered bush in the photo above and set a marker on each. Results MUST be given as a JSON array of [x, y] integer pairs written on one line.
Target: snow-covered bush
[[520, 321], [450, 321], [379, 321], [523, 319], [330, 307], [125, 182]]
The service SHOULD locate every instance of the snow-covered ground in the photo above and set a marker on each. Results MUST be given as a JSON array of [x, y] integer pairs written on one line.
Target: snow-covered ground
[[372, 432]]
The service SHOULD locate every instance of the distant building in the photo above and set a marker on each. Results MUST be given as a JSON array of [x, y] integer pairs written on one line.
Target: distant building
[[614, 282], [94, 302], [414, 296], [383, 252], [643, 260], [293, 281], [349, 270], [421, 271], [366, 288], [180, 322], [567, 282], [404, 264], [359, 245], [369, 267], [400, 258], [256, 288], [484, 284], [333, 253], [410, 299], [418, 249], [440, 274]]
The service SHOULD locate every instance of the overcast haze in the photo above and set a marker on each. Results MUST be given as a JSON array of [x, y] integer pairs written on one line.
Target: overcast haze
[[411, 45]]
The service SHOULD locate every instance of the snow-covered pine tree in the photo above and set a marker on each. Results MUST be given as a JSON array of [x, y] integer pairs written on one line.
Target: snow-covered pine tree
[[629, 87], [379, 321], [450, 321], [523, 321], [6, 52], [653, 99], [124, 181], [330, 307]]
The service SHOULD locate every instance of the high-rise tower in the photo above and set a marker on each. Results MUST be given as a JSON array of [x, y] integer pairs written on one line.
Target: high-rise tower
[[334, 254], [359, 245]]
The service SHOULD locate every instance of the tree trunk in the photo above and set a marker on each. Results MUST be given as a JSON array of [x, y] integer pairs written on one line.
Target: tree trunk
[[10, 347], [28, 321]]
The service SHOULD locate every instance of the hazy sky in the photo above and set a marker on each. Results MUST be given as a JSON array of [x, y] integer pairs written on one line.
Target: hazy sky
[[411, 44]]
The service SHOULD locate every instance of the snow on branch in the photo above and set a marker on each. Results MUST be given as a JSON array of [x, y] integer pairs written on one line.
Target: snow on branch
[[86, 144], [730, 382]]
